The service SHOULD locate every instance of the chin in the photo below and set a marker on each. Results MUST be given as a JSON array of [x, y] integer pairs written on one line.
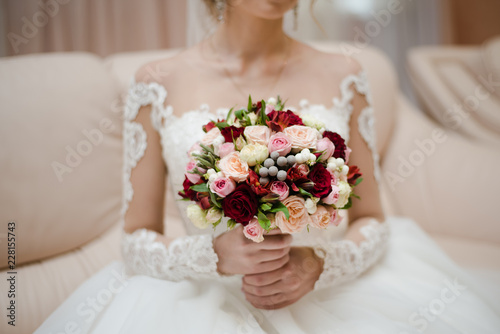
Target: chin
[[266, 9]]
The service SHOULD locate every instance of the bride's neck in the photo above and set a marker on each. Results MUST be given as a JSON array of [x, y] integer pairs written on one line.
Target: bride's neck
[[249, 37]]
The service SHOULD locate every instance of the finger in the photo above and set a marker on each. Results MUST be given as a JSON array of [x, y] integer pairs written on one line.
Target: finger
[[275, 241], [262, 279], [276, 306], [268, 266], [265, 255], [266, 290], [274, 231], [268, 302]]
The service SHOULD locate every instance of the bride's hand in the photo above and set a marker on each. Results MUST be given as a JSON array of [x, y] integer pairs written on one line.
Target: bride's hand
[[239, 255], [286, 285]]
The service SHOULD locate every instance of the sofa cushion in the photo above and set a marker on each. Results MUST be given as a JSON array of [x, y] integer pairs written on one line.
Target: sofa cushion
[[61, 151], [457, 90], [490, 54], [440, 179]]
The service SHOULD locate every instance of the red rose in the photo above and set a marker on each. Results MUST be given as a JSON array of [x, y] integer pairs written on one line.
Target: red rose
[[278, 120], [241, 205], [231, 133], [339, 143], [353, 175], [322, 181], [209, 126], [188, 192]]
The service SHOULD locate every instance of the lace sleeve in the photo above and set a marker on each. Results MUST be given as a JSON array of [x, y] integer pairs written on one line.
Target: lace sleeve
[[186, 257], [345, 260]]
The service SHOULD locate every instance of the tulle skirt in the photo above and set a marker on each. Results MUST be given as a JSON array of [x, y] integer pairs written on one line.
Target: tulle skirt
[[415, 288]]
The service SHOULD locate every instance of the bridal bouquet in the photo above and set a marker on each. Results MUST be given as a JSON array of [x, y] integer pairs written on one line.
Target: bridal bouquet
[[264, 167]]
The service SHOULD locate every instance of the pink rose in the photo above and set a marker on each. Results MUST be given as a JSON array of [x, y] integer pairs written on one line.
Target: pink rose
[[210, 136], [335, 217], [235, 168], [347, 154], [195, 148], [254, 231], [269, 108], [326, 147], [194, 178], [302, 136], [225, 149], [280, 188], [257, 134], [223, 186], [298, 219], [333, 196], [321, 218], [281, 143]]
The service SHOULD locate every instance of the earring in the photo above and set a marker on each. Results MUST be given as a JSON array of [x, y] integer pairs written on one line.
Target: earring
[[296, 16], [220, 6]]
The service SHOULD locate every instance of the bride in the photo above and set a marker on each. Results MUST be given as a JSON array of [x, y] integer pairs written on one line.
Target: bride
[[356, 279]]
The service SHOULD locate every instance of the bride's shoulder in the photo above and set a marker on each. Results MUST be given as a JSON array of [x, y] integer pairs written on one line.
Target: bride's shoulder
[[165, 71]]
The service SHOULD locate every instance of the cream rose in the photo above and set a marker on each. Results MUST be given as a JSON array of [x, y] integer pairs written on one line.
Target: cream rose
[[213, 215], [211, 136], [232, 166], [257, 134], [198, 216], [302, 136], [313, 122], [344, 192], [299, 217], [321, 218], [254, 154]]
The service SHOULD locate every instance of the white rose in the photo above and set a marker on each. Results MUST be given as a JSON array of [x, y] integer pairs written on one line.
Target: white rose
[[213, 215], [344, 192], [198, 216], [310, 206], [253, 118], [313, 122], [254, 154]]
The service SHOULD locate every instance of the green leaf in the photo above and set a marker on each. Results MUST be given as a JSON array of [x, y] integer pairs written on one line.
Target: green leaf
[[249, 108], [217, 223], [279, 104], [214, 201], [263, 221], [305, 193], [281, 207], [201, 188], [207, 148], [265, 207], [240, 114], [231, 223], [358, 181], [222, 125], [355, 196], [348, 204], [261, 120]]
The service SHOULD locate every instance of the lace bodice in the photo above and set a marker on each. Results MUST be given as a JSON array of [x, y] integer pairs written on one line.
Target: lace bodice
[[193, 256]]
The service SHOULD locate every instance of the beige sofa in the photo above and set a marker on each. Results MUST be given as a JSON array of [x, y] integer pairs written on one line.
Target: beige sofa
[[61, 155]]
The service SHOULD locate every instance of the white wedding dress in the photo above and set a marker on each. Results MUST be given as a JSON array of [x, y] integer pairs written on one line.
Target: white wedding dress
[[397, 281]]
